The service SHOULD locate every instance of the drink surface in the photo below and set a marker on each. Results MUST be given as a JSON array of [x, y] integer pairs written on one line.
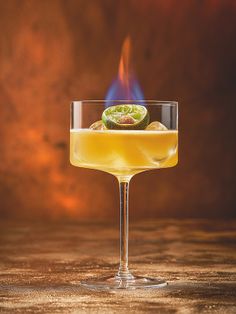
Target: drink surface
[[123, 152]]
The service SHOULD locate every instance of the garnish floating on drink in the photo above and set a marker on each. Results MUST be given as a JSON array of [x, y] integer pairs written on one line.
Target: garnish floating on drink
[[156, 126], [125, 117]]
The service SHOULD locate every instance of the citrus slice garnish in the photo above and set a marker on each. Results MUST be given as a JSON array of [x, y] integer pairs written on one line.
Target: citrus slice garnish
[[156, 126], [98, 125], [126, 117]]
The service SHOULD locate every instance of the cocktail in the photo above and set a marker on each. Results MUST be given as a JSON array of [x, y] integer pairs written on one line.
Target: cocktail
[[124, 138]]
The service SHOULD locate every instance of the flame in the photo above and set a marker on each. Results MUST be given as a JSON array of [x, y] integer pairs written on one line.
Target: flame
[[125, 87], [124, 66]]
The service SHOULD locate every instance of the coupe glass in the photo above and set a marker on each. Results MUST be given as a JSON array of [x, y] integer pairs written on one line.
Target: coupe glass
[[124, 153]]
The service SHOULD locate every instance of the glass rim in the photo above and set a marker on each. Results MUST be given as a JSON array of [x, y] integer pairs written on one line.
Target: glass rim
[[171, 103]]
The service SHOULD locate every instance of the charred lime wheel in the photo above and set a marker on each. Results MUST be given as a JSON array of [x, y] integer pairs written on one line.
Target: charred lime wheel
[[125, 117]]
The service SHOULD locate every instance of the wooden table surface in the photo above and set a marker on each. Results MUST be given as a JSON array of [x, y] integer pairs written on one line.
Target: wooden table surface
[[42, 264]]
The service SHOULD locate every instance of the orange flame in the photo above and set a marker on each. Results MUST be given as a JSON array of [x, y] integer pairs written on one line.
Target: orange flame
[[124, 66], [125, 86]]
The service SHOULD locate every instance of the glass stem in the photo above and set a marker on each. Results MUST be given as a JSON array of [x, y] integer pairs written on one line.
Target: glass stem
[[124, 272]]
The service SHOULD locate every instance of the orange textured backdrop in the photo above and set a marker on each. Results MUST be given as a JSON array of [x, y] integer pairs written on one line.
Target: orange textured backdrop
[[54, 51]]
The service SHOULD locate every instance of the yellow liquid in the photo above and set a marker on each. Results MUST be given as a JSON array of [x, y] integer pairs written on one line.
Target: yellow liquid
[[123, 153]]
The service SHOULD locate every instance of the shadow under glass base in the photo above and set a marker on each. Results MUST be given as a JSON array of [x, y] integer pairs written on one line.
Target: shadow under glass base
[[116, 283]]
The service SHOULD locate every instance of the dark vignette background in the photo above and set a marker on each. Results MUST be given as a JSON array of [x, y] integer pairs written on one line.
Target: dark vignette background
[[54, 51]]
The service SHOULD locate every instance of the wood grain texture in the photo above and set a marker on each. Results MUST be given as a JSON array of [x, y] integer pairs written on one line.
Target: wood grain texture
[[42, 265]]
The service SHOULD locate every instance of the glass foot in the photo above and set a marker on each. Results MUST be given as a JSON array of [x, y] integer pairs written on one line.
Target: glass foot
[[116, 283]]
